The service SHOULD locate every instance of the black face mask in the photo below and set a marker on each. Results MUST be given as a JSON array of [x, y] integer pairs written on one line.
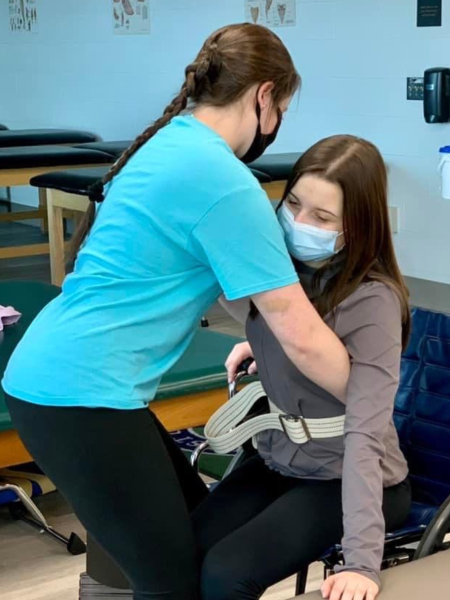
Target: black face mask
[[262, 140]]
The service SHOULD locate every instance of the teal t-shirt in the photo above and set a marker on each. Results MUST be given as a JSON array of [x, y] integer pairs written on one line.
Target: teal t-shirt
[[183, 221]]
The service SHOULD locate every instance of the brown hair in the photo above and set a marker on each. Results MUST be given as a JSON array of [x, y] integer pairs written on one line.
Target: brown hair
[[358, 168], [231, 61]]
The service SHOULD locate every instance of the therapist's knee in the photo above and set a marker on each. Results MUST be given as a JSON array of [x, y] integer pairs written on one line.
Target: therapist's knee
[[227, 578]]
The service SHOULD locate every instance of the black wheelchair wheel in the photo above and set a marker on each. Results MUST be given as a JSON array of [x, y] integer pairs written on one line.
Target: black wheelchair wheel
[[432, 540]]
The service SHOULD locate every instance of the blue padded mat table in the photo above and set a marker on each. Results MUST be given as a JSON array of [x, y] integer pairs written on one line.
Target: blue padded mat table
[[19, 164]]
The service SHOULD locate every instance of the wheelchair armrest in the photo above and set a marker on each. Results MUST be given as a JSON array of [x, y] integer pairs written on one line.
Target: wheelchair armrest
[[435, 532], [195, 456], [242, 371], [405, 536]]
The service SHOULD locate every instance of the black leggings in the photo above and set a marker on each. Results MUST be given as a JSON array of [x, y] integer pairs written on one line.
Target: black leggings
[[259, 527], [129, 484]]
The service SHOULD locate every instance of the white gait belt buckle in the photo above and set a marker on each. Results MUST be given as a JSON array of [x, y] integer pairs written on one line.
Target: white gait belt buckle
[[226, 432]]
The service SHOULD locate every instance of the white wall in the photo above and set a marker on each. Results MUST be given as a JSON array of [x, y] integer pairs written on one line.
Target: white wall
[[354, 57]]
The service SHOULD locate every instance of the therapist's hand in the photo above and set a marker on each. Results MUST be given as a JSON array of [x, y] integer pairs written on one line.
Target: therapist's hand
[[239, 353], [349, 586]]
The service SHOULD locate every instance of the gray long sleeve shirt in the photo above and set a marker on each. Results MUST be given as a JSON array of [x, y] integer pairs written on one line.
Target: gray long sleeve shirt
[[367, 457]]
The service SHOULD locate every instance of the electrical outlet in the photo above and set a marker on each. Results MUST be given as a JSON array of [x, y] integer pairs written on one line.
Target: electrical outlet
[[394, 218], [414, 88]]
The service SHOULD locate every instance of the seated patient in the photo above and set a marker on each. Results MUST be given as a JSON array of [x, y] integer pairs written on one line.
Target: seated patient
[[286, 505]]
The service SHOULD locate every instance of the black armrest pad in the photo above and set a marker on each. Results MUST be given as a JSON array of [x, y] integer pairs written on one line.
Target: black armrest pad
[[49, 156], [73, 181], [261, 177], [277, 166], [38, 137], [113, 148]]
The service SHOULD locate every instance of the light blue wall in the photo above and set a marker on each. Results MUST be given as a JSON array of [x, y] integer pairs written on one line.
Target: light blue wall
[[354, 57]]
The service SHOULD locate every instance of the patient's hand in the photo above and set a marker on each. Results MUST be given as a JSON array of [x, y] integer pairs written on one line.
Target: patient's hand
[[349, 586], [239, 353]]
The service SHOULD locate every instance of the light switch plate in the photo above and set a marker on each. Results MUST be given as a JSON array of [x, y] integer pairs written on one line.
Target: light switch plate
[[394, 218]]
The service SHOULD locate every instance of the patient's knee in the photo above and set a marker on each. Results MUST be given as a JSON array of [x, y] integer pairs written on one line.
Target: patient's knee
[[226, 578]]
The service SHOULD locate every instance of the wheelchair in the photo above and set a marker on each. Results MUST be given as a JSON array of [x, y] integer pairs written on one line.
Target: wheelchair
[[422, 419]]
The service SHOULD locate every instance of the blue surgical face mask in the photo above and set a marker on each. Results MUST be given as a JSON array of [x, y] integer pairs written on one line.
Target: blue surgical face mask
[[306, 242]]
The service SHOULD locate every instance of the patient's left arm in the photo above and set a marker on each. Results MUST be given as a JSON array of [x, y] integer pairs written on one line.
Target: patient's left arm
[[374, 342]]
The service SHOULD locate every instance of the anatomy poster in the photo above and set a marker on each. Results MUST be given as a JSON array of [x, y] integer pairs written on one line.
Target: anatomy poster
[[131, 17], [271, 13], [23, 15]]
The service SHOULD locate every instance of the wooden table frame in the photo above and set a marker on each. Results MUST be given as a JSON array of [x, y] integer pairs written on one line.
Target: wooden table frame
[[58, 202], [19, 177]]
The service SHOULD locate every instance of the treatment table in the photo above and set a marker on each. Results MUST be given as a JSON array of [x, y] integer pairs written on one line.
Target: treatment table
[[38, 137], [19, 164]]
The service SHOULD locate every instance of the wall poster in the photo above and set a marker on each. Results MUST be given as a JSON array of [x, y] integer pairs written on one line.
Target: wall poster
[[429, 13], [23, 15], [131, 17], [271, 13]]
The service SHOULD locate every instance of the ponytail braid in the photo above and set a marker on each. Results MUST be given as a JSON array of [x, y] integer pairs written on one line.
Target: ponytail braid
[[195, 75], [172, 110], [96, 190]]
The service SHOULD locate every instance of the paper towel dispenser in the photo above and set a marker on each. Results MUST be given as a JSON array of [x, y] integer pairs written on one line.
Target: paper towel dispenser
[[436, 95]]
